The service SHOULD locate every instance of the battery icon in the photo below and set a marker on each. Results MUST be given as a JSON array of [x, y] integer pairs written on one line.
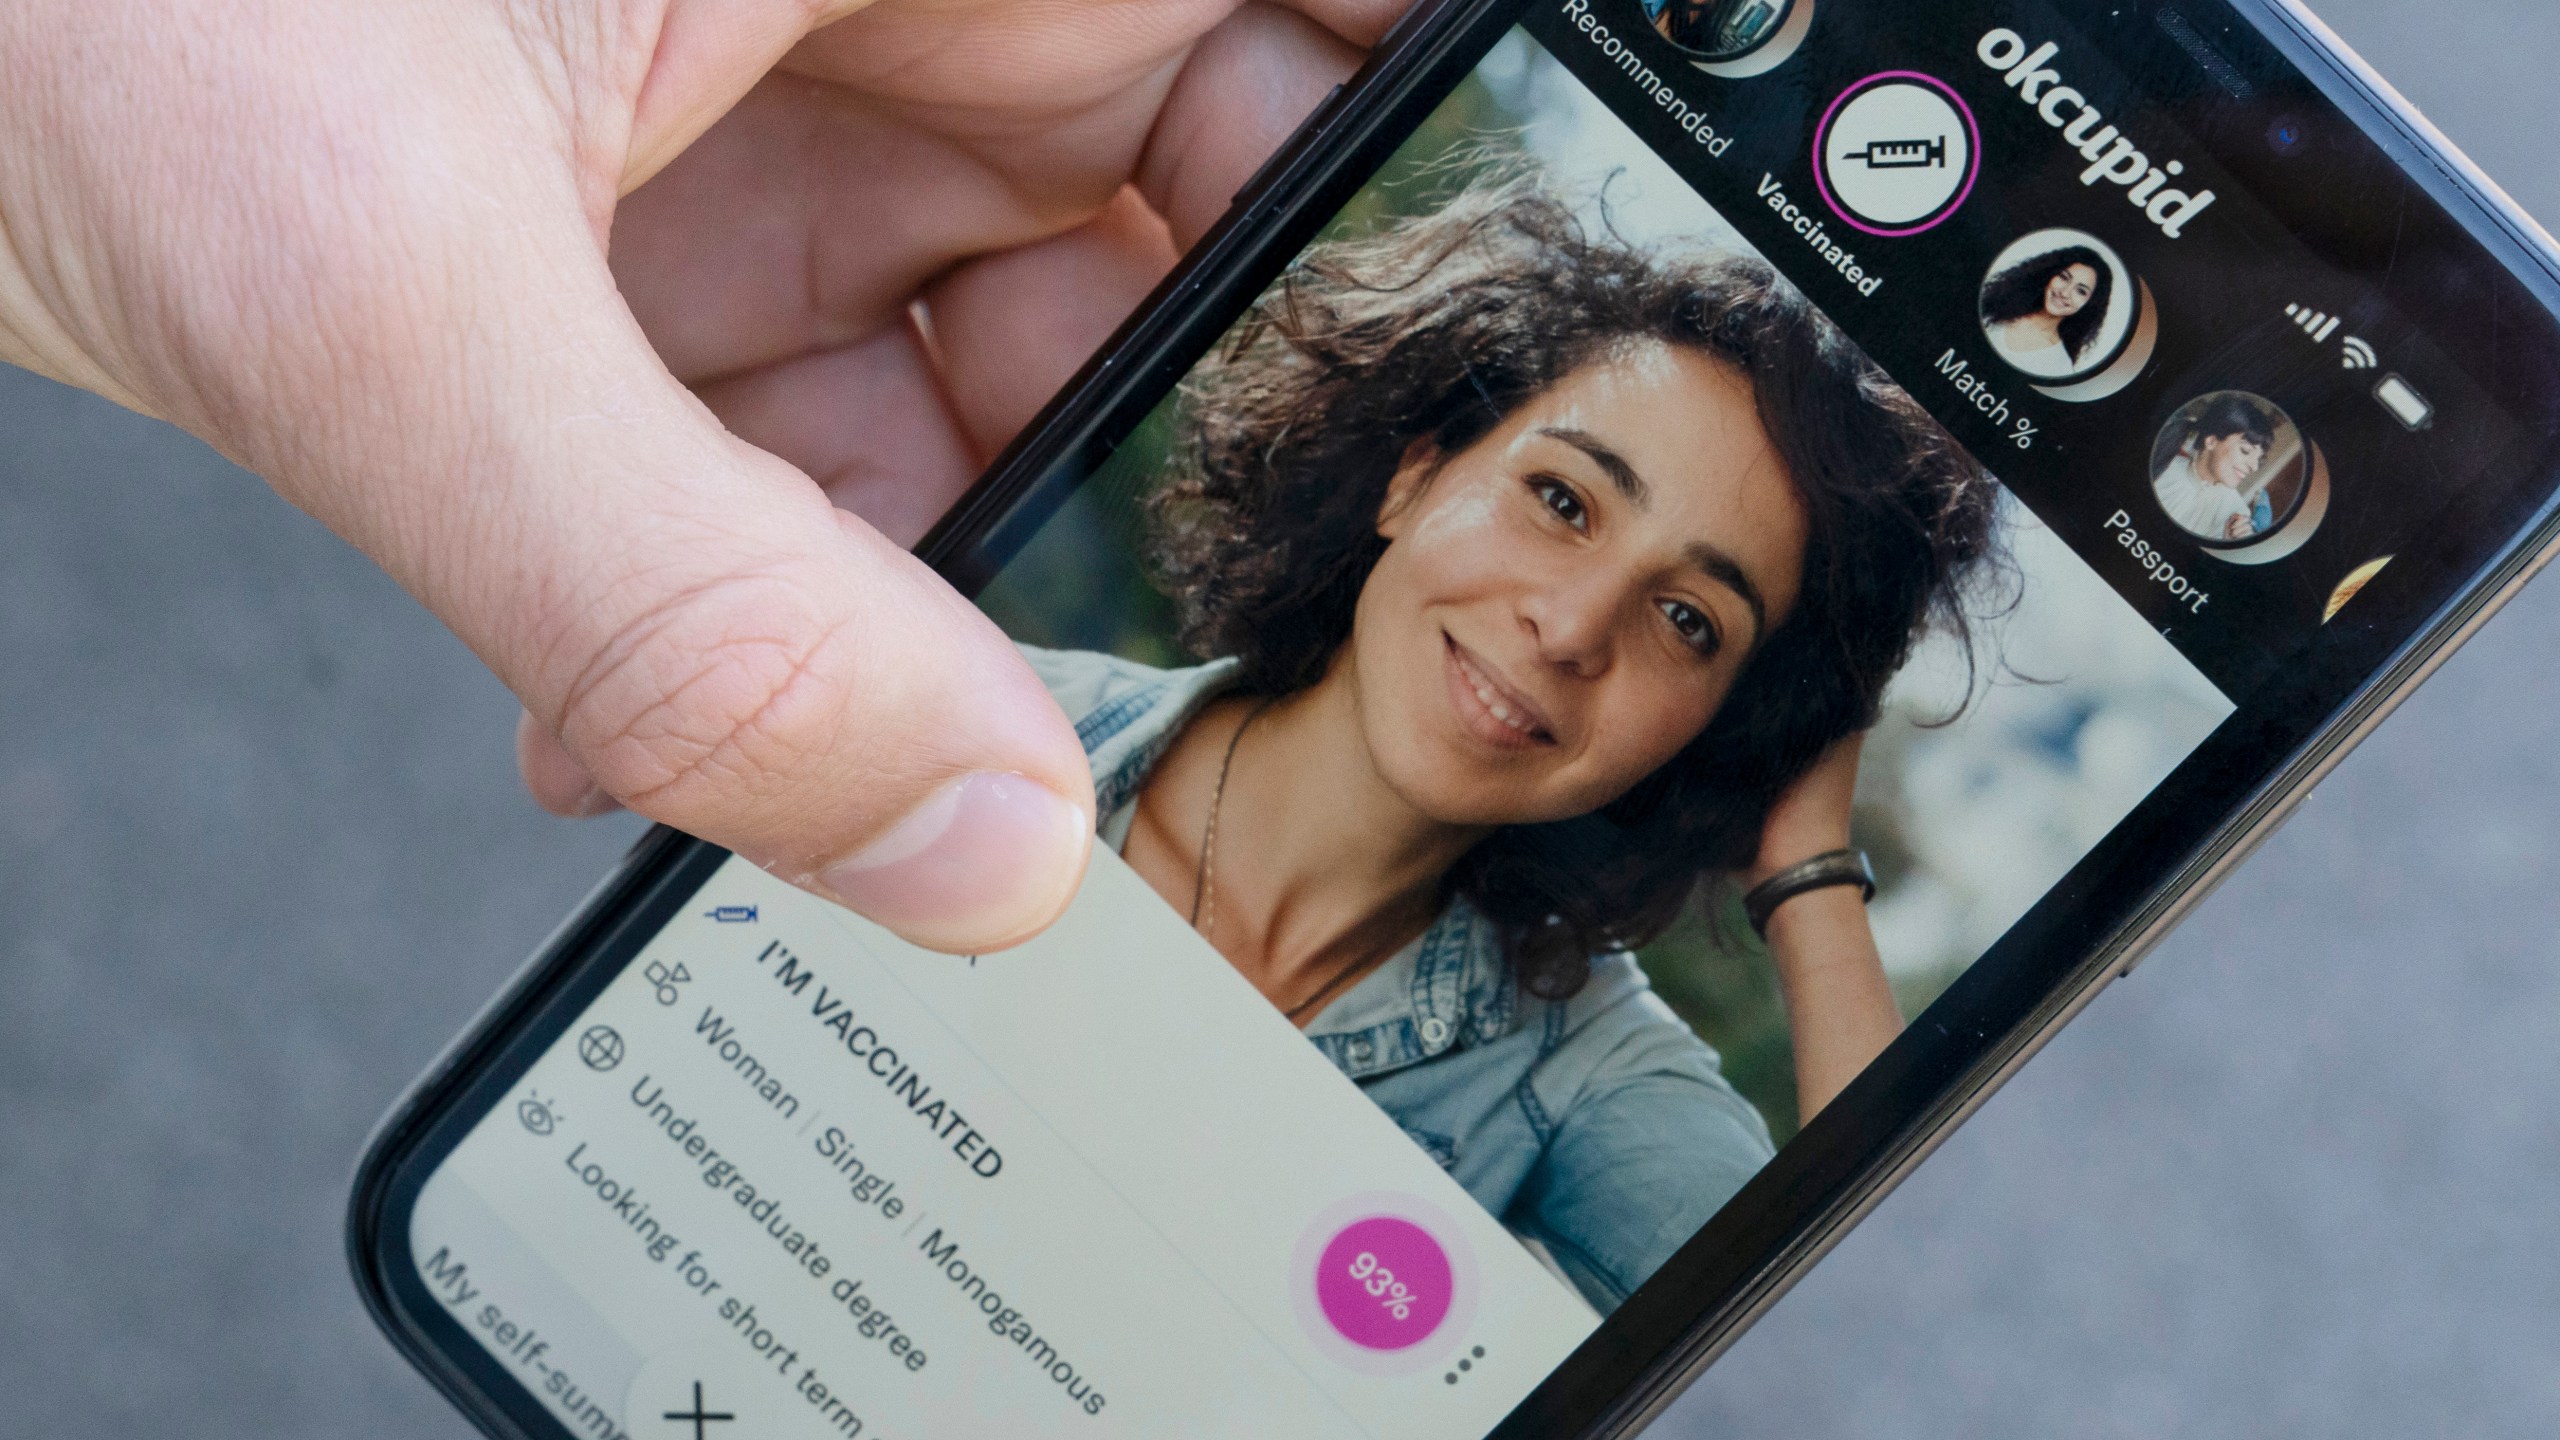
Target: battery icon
[[2405, 403]]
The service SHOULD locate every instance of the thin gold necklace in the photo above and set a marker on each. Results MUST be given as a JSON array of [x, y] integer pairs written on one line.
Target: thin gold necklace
[[1204, 901], [1204, 895]]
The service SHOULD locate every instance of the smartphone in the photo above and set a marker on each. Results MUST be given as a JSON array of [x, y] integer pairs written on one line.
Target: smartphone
[[1772, 546]]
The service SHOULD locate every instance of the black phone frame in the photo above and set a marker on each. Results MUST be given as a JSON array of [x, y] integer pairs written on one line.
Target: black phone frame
[[2091, 928]]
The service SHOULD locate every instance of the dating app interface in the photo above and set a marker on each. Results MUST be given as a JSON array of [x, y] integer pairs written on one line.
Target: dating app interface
[[785, 1175], [1086, 1186]]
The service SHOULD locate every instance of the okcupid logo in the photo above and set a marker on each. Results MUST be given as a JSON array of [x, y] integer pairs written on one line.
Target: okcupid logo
[[2112, 155]]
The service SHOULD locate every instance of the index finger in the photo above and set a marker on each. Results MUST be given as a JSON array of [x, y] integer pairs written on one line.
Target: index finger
[[1244, 88]]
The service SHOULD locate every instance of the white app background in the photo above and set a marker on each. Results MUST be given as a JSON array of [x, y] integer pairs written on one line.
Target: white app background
[[1123, 1217]]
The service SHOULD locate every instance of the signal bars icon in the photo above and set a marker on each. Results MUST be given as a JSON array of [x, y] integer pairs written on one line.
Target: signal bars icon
[[2320, 325], [2316, 324]]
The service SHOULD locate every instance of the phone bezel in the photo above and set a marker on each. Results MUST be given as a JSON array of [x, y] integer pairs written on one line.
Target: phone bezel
[[1851, 1156]]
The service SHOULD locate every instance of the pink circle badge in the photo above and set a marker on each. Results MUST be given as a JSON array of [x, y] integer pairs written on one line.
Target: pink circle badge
[[1385, 1284]]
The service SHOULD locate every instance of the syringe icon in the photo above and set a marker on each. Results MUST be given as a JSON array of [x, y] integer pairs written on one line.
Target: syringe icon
[[1903, 154]]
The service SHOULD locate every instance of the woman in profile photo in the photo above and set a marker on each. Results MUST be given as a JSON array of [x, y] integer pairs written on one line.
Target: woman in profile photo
[[2207, 482], [1545, 581], [2043, 314]]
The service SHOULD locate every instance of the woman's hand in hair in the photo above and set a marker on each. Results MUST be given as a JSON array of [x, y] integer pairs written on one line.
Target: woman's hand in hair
[[361, 248], [1840, 1008], [1812, 817]]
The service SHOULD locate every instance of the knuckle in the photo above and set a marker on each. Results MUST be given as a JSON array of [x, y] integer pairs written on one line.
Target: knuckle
[[712, 697]]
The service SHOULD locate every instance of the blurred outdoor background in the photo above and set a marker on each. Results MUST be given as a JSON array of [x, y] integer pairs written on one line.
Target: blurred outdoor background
[[262, 853]]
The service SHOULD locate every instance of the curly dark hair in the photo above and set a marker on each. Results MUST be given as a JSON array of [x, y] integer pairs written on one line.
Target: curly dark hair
[[2018, 292], [1430, 333]]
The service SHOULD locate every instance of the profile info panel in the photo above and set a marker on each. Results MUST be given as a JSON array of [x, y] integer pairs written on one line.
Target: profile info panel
[[1083, 1187], [1699, 455]]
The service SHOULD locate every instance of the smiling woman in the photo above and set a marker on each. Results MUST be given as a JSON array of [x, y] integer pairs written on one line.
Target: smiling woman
[[1540, 580], [2045, 313]]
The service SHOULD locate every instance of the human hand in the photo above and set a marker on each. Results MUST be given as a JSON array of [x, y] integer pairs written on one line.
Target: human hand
[[361, 249], [1840, 1006], [1812, 817]]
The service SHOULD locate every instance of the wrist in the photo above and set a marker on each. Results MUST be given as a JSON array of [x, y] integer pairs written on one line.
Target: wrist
[[1781, 853], [1804, 933], [1839, 869]]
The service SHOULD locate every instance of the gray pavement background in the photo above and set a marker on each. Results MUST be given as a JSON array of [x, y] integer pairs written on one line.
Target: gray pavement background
[[261, 853]]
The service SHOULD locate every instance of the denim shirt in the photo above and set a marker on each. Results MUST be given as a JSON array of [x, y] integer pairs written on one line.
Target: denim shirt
[[1598, 1126]]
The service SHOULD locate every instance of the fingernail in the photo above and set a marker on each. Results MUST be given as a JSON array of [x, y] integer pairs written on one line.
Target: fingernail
[[594, 803], [982, 863]]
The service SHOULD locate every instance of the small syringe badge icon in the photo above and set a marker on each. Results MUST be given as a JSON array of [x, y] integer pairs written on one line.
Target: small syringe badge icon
[[732, 915], [1903, 154]]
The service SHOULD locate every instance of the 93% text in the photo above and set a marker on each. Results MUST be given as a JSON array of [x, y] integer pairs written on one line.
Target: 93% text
[[1392, 1294]]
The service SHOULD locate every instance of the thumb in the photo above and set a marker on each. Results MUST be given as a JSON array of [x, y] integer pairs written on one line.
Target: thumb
[[360, 248], [715, 645], [765, 671], [705, 635]]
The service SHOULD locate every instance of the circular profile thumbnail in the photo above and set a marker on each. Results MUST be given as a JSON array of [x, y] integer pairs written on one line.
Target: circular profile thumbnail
[[2063, 309], [2234, 472], [1897, 153], [1735, 39], [2352, 586]]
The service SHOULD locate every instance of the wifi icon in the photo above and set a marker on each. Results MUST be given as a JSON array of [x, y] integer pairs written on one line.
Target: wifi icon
[[2359, 355], [2317, 324]]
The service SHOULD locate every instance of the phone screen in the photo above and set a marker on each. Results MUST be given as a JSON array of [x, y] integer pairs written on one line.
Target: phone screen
[[1721, 434]]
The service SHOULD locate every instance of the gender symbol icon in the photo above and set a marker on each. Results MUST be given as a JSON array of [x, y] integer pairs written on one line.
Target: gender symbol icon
[[1897, 153]]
